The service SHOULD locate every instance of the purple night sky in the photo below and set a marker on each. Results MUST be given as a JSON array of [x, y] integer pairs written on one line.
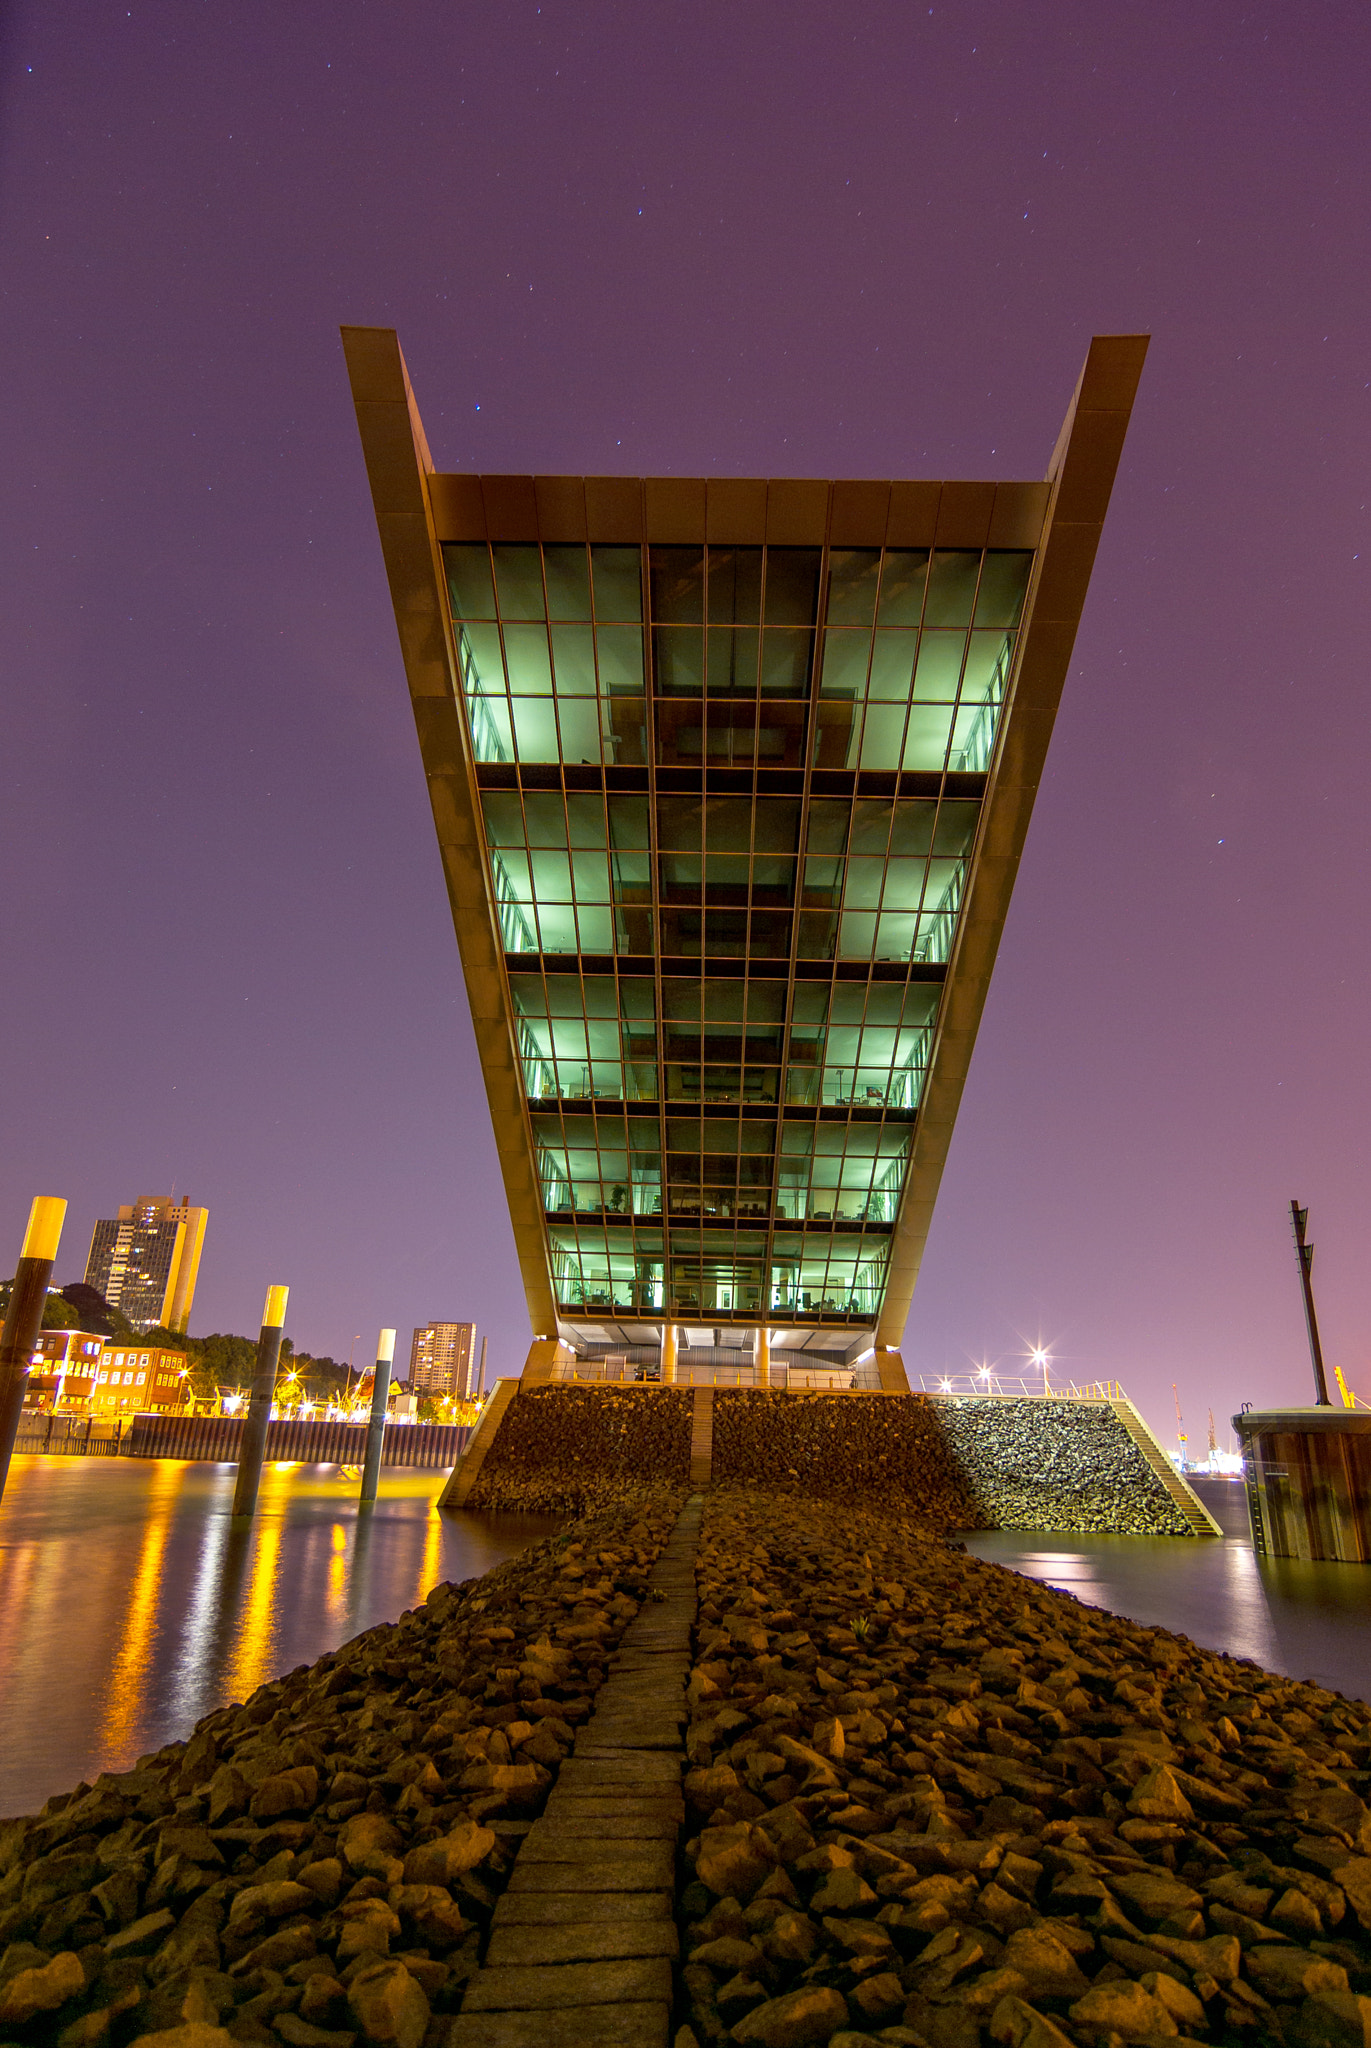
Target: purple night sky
[[813, 240]]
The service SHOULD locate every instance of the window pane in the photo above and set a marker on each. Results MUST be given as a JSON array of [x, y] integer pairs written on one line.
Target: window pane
[[677, 577], [573, 660], [892, 666], [519, 581], [925, 744], [535, 728], [546, 818], [785, 663], [882, 734], [579, 719], [904, 883], [469, 582], [530, 674], [951, 588], [728, 824], [568, 582], [679, 658], [680, 821], [846, 659], [585, 820], [621, 659], [940, 667], [903, 577], [863, 885], [792, 586], [735, 586], [733, 658], [504, 817], [618, 575], [492, 736], [853, 574], [1004, 579], [776, 827], [827, 827], [628, 821], [956, 828], [912, 832], [483, 663]]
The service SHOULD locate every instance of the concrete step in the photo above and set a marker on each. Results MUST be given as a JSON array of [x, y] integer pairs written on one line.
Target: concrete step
[[702, 1437]]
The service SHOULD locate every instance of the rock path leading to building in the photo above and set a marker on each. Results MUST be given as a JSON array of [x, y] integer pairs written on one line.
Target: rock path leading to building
[[583, 1941]]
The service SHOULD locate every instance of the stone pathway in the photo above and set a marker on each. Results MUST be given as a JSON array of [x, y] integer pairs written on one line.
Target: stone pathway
[[702, 1437], [583, 1941]]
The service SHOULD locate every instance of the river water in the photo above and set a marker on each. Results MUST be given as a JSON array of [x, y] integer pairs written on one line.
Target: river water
[[1303, 1620], [130, 1605]]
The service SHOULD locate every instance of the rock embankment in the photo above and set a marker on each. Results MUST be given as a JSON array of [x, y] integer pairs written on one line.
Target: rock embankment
[[844, 1446], [561, 1448], [318, 1866], [1055, 1465], [937, 1806]]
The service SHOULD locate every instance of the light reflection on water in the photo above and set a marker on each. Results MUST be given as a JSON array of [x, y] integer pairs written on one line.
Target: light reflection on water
[[1305, 1620], [130, 1605]]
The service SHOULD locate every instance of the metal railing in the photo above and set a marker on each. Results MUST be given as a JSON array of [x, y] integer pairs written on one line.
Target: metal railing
[[1008, 1387]]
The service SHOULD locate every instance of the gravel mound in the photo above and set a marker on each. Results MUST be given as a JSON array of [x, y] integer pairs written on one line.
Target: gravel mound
[[935, 1805], [1063, 1465], [845, 1446], [561, 1448]]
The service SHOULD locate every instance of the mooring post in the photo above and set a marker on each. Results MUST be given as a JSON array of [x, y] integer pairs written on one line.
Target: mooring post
[[24, 1317], [254, 1443], [376, 1427]]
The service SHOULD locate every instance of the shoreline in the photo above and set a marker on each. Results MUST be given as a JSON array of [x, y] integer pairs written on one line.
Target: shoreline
[[922, 1794]]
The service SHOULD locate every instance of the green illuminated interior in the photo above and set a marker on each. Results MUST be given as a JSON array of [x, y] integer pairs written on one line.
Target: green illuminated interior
[[730, 796]]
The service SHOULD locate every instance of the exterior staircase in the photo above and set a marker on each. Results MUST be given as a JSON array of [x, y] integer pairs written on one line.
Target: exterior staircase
[[1201, 1522]]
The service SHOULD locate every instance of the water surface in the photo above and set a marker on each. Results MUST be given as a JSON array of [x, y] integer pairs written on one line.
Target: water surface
[[130, 1605], [1303, 1620]]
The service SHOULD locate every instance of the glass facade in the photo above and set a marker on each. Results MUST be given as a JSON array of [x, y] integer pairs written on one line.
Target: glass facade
[[730, 796]]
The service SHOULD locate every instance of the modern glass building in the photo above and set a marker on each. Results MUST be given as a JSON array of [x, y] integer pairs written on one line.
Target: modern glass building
[[730, 778]]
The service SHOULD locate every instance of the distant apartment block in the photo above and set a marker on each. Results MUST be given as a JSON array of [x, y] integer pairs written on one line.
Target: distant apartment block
[[440, 1359], [63, 1369], [145, 1261], [134, 1382]]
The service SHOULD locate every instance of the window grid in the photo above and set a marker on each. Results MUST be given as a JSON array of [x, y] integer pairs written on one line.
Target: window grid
[[744, 1156]]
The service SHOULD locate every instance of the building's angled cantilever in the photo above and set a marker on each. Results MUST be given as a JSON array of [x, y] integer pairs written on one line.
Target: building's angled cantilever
[[731, 779]]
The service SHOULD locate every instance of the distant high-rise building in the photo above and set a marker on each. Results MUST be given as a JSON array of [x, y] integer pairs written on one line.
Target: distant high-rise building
[[145, 1260], [440, 1359]]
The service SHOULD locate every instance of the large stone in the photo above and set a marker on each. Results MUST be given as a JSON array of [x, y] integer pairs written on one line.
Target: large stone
[[1014, 2023], [43, 1989], [370, 1845], [1288, 1973], [292, 1791], [463, 1848], [807, 2018], [1123, 2009], [388, 2006], [734, 1860], [1355, 1878], [1157, 1796], [1334, 2019], [1048, 1969]]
